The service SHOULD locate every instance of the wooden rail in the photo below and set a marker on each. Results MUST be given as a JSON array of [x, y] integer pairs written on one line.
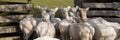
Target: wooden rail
[[103, 13], [7, 2], [16, 7], [101, 5], [9, 24], [10, 34], [107, 9], [12, 18], [10, 15], [14, 13], [104, 1], [15, 2]]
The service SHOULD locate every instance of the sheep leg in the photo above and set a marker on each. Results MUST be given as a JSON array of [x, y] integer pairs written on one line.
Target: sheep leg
[[90, 37], [62, 36]]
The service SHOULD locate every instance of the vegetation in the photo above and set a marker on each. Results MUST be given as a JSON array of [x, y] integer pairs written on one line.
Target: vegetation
[[49, 3]]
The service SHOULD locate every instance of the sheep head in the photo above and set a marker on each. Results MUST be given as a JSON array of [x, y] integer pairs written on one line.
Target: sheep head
[[84, 13]]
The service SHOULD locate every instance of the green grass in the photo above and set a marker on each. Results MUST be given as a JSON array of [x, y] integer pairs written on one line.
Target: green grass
[[49, 3], [54, 3]]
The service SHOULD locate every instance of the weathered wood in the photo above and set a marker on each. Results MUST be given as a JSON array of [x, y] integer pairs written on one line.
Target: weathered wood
[[16, 7], [7, 29], [9, 24], [10, 38], [101, 5], [12, 13], [16, 13], [15, 1], [101, 0], [103, 13], [11, 18], [7, 2]]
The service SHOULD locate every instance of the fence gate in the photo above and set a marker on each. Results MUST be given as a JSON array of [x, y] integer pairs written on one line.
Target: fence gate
[[10, 15], [108, 9]]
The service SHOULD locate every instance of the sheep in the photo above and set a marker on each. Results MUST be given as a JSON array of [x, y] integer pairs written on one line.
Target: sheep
[[73, 10], [103, 31], [63, 26], [45, 27], [42, 10], [64, 12], [85, 19], [81, 30], [52, 13], [46, 38], [54, 20], [116, 26], [84, 13], [27, 25]]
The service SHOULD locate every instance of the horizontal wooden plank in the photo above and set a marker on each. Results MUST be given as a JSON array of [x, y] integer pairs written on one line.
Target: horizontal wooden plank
[[11, 18], [7, 35], [103, 1], [101, 5], [9, 24], [8, 2], [112, 9], [16, 7], [103, 13], [12, 37], [16, 13], [7, 29], [16, 1]]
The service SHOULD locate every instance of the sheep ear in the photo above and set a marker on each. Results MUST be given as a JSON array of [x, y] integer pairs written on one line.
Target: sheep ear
[[56, 9], [68, 7], [87, 8], [77, 7]]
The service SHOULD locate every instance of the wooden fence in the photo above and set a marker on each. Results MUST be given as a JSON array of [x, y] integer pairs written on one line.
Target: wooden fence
[[108, 9], [10, 15]]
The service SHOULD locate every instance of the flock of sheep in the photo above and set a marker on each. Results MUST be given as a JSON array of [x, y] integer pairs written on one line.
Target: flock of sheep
[[73, 25]]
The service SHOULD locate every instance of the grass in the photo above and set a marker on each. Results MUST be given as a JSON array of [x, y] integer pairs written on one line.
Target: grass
[[54, 3], [49, 3]]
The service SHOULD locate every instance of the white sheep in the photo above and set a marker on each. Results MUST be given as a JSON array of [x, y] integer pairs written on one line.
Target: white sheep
[[116, 26], [27, 26], [63, 26], [45, 27], [46, 38], [102, 31], [81, 30]]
